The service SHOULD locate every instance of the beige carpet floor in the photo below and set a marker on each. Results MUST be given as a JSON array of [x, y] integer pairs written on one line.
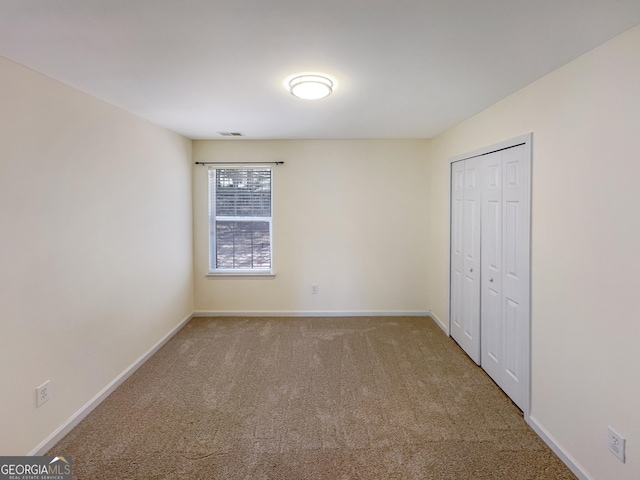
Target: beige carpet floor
[[308, 398]]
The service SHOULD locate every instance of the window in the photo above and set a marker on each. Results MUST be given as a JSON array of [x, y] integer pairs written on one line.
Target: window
[[240, 220]]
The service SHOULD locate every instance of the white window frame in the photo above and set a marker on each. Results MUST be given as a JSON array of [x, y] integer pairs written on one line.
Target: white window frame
[[214, 271]]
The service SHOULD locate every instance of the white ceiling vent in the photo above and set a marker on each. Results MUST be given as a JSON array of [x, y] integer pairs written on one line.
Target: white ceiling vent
[[231, 134]]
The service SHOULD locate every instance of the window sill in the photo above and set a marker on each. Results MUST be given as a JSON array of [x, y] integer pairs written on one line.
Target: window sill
[[265, 274]]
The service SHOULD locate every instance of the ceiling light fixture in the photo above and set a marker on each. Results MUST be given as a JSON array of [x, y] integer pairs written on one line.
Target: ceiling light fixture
[[311, 86]]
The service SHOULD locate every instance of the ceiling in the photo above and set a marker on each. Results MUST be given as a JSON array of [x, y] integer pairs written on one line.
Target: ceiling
[[406, 68]]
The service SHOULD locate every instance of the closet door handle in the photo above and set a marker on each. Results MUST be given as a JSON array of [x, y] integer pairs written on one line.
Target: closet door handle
[[471, 270], [491, 279]]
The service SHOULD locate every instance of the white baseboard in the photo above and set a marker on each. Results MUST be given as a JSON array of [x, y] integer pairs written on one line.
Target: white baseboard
[[77, 417], [439, 322], [577, 469], [310, 313]]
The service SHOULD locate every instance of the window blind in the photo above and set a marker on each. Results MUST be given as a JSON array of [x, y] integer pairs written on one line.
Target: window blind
[[240, 216]]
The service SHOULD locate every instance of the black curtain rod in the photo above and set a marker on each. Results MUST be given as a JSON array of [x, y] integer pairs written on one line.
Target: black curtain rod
[[239, 163]]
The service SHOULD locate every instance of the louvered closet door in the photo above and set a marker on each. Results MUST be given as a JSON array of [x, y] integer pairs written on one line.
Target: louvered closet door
[[465, 257], [505, 271]]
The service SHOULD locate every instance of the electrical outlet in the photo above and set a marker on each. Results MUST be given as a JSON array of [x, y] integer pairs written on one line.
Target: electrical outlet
[[43, 393], [314, 289], [616, 443]]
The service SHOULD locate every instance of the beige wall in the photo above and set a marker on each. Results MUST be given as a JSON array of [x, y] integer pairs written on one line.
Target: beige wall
[[95, 250], [349, 216], [585, 120]]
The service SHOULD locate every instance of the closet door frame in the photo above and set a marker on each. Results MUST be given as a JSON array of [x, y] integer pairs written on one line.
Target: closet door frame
[[525, 140]]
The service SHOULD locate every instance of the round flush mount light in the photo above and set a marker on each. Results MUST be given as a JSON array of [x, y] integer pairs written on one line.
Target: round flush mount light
[[310, 86]]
